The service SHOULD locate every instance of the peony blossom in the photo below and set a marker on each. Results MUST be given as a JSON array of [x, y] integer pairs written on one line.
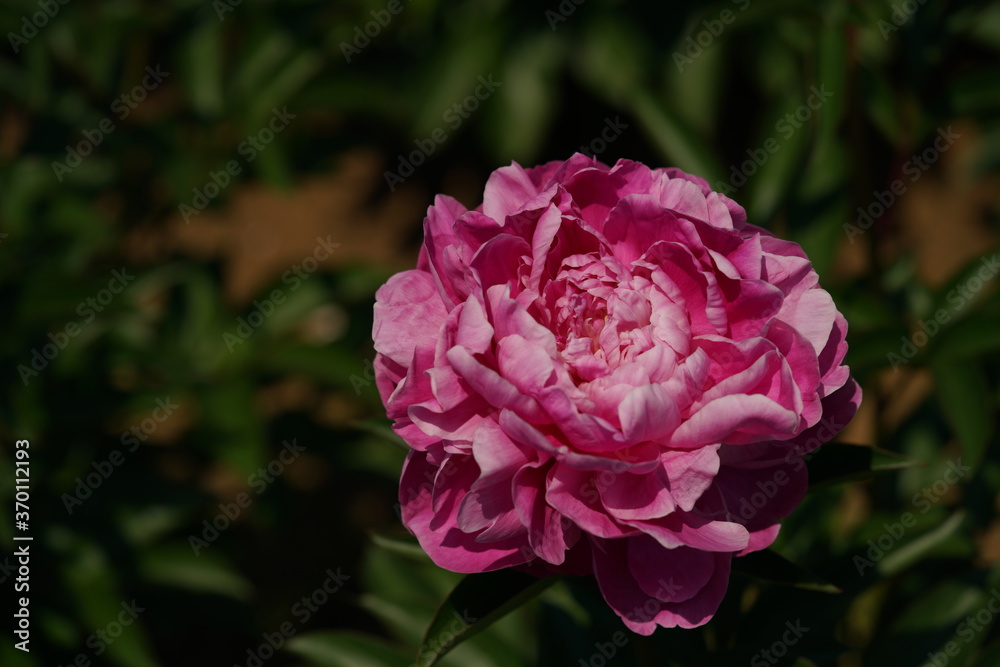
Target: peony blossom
[[607, 370]]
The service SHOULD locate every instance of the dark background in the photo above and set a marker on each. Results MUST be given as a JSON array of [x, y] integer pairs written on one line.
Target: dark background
[[250, 343]]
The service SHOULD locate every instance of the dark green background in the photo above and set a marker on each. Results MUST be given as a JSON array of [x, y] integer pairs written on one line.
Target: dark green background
[[301, 376]]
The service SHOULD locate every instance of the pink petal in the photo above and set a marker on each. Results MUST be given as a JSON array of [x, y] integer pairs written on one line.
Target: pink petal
[[448, 546], [408, 311]]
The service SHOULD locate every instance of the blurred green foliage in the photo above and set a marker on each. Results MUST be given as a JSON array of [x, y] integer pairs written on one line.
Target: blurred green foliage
[[688, 85]]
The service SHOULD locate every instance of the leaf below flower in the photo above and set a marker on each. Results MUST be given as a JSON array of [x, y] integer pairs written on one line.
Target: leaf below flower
[[836, 462], [773, 568], [477, 601]]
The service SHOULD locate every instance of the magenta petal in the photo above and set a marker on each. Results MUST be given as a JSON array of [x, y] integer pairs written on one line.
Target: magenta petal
[[669, 575], [492, 387], [438, 238], [643, 613], [550, 533], [813, 315], [648, 413], [523, 432], [691, 530], [684, 197], [528, 366], [575, 494], [608, 370], [690, 474], [736, 418], [498, 261], [497, 456], [408, 311], [506, 192], [635, 497], [761, 539], [414, 388], [448, 546]]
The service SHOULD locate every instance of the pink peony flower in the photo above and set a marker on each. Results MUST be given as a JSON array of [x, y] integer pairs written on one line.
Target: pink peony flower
[[607, 370]]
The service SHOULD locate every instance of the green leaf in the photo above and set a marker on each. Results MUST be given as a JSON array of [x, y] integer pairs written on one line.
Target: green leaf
[[929, 617], [477, 601], [833, 58], [882, 105], [920, 547], [402, 546], [610, 60], [770, 184], [381, 430], [971, 338], [676, 142], [89, 579], [345, 649], [526, 101], [178, 566], [966, 288], [454, 76], [976, 92], [204, 69], [964, 395], [773, 568], [835, 463]]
